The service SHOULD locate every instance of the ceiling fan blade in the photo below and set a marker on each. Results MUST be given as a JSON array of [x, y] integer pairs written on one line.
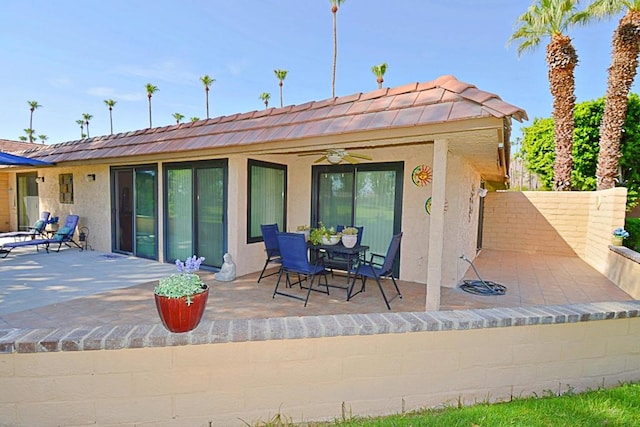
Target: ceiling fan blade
[[350, 159], [361, 156], [320, 159]]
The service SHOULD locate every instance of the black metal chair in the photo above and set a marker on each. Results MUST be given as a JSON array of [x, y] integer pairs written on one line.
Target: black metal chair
[[295, 259], [378, 267], [269, 232]]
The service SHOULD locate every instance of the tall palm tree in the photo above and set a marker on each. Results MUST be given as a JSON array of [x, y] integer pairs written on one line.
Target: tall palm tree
[[87, 117], [43, 138], [110, 103], [552, 18], [178, 117], [265, 96], [378, 71], [335, 5], [33, 105], [207, 82], [151, 89], [22, 138], [622, 72], [81, 123], [280, 75]]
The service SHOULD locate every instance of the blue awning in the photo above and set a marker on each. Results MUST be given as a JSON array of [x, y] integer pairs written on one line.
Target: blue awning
[[14, 160]]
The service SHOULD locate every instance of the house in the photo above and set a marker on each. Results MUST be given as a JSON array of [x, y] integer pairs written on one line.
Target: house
[[205, 187]]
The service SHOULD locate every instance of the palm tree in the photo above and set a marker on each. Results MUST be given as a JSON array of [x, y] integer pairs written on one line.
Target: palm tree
[[622, 72], [30, 133], [22, 138], [178, 117], [552, 18], [81, 123], [280, 75], [87, 117], [43, 138], [151, 89], [379, 71], [194, 119], [110, 103], [207, 82], [265, 96], [33, 105], [335, 5]]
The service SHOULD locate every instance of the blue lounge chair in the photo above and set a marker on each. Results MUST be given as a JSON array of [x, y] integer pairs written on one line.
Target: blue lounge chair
[[63, 236], [37, 229]]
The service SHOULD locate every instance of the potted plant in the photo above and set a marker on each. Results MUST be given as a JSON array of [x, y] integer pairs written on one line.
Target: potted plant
[[323, 235], [349, 237], [182, 297], [304, 229], [619, 234]]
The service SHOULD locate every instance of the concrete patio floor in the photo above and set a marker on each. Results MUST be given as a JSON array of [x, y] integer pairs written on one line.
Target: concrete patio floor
[[74, 288]]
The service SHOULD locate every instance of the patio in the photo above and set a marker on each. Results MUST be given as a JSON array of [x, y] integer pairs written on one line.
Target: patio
[[88, 289]]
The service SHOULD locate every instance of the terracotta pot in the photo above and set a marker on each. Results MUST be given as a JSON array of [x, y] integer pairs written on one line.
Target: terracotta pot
[[177, 316]]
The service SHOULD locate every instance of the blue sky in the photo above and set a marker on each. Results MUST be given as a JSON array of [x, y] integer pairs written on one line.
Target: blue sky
[[70, 56]]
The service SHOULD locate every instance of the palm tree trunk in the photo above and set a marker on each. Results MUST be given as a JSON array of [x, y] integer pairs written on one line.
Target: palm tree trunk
[[335, 52], [206, 90], [111, 119], [624, 65], [562, 59], [150, 125], [281, 93], [31, 125]]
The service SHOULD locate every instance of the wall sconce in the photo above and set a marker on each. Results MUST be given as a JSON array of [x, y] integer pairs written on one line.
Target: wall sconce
[[91, 177], [39, 179]]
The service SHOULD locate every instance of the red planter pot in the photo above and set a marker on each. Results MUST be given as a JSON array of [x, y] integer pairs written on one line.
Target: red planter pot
[[177, 316]]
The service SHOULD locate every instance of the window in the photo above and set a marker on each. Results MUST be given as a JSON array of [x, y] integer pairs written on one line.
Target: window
[[66, 187], [267, 197]]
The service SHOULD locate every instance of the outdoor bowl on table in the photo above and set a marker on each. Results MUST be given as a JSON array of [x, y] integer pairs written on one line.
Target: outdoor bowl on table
[[332, 240]]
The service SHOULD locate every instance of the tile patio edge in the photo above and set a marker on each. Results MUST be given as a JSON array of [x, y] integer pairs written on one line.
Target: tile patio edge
[[17, 340]]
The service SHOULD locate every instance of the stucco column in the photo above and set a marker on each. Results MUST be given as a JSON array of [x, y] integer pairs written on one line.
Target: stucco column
[[436, 225]]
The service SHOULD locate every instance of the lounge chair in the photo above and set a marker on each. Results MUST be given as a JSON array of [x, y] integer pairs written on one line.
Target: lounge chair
[[64, 235], [37, 229]]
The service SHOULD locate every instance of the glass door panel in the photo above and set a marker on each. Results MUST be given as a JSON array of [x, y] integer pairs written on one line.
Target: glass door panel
[[210, 226], [124, 211], [375, 208], [335, 199], [28, 200], [146, 225], [179, 214]]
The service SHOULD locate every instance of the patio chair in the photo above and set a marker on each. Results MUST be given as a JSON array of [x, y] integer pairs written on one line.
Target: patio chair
[[378, 267], [37, 229], [295, 259], [269, 232], [64, 235]]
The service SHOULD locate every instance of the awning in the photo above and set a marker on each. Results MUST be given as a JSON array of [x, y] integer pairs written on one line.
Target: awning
[[14, 160]]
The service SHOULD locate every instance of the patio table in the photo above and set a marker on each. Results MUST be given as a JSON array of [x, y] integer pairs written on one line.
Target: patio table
[[348, 259]]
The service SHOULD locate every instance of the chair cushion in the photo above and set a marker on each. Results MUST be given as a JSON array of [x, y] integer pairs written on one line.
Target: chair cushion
[[62, 233], [39, 225]]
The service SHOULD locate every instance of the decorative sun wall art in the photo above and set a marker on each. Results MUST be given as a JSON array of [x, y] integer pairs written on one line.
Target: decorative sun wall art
[[421, 175]]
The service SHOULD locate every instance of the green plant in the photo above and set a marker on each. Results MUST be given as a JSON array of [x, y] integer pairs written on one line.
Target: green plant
[[185, 283], [632, 225], [316, 235], [350, 231]]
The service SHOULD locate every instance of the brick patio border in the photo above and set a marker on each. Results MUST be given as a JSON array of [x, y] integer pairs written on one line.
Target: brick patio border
[[239, 330]]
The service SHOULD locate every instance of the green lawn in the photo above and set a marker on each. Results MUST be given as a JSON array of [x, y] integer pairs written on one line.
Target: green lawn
[[601, 408]]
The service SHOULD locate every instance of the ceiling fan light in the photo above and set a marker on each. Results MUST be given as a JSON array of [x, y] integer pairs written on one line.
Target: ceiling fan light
[[334, 158]]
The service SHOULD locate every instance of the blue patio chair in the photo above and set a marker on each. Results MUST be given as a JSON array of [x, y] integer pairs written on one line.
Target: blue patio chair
[[64, 236], [269, 232], [378, 267], [295, 259], [37, 229]]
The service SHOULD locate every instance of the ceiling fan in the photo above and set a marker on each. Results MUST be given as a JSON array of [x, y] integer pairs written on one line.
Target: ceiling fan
[[337, 155]]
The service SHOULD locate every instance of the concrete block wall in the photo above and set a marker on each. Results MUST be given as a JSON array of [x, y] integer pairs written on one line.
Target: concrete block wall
[[310, 368]]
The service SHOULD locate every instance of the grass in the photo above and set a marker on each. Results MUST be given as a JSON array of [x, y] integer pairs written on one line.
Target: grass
[[614, 407]]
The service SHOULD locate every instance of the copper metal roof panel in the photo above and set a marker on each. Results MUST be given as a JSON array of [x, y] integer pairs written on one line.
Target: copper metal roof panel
[[462, 110], [435, 113], [411, 87], [404, 100], [408, 116], [430, 96], [381, 119], [380, 104]]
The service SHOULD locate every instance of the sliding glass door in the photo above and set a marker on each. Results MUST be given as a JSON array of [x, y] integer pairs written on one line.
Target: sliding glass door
[[368, 195], [195, 211], [28, 200], [135, 206]]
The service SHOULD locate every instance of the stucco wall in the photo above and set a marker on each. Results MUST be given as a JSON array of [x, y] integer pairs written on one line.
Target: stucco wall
[[5, 216], [235, 383]]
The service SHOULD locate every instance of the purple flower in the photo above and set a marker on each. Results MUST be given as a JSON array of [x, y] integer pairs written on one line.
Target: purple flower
[[190, 265]]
